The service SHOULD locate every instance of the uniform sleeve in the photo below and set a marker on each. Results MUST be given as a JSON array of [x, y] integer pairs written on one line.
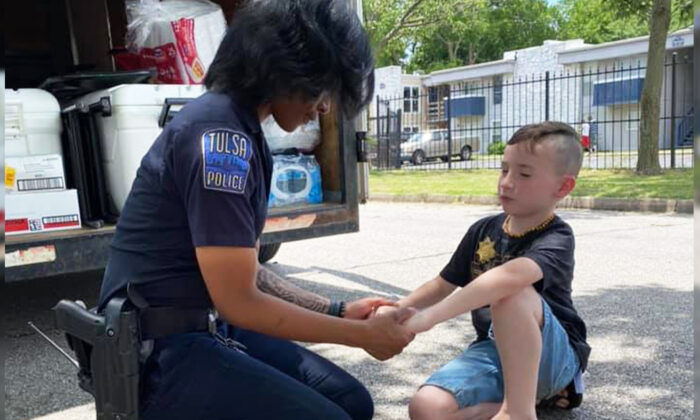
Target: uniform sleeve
[[554, 254], [213, 170], [458, 270]]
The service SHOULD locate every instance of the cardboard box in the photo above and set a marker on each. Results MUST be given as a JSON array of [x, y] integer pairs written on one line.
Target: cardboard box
[[34, 173], [41, 212]]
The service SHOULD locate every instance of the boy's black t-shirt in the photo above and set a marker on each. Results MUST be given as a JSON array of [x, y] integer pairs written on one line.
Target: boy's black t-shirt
[[486, 246]]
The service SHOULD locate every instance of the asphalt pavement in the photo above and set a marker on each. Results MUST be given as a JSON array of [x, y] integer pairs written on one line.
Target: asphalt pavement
[[633, 287]]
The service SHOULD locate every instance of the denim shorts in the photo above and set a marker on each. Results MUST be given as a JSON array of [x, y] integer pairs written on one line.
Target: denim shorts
[[477, 377]]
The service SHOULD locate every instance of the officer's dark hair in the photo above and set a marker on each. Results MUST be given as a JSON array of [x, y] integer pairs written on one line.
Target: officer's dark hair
[[285, 47], [569, 151]]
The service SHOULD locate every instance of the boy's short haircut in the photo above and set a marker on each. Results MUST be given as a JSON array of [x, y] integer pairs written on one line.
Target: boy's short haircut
[[566, 140], [277, 48]]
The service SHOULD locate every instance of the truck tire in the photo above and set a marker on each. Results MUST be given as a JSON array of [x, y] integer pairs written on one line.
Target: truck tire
[[268, 252], [418, 157], [466, 153]]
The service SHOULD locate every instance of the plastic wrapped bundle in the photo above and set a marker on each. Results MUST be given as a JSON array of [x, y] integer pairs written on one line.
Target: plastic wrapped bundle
[[177, 37], [304, 139], [296, 179]]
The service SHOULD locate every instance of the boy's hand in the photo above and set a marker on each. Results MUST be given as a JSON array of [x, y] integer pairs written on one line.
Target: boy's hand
[[388, 336], [363, 308], [381, 310], [419, 323]]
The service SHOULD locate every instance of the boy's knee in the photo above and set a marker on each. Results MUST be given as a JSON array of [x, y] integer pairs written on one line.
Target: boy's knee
[[431, 403], [525, 299]]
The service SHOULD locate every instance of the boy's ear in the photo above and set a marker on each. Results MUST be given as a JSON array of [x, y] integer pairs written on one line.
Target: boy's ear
[[566, 187]]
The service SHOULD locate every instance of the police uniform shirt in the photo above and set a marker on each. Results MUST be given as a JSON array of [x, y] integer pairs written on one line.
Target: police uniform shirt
[[204, 182], [486, 246]]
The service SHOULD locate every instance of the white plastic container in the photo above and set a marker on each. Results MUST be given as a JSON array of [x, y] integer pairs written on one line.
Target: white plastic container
[[32, 123], [132, 128]]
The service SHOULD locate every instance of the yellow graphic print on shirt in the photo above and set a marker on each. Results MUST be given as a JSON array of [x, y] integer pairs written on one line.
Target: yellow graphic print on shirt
[[486, 250], [486, 258]]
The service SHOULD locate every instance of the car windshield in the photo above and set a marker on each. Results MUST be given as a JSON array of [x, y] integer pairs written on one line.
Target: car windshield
[[417, 137], [414, 138]]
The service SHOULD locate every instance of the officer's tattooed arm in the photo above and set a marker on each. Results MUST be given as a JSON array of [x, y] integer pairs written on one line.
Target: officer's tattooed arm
[[272, 284]]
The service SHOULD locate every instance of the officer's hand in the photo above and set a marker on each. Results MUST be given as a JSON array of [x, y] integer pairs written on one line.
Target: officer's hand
[[387, 336], [363, 308]]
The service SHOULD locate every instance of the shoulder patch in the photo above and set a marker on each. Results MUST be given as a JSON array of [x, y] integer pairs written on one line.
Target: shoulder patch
[[226, 158]]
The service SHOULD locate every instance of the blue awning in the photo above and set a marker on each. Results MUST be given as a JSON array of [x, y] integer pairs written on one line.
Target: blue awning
[[625, 91], [467, 106]]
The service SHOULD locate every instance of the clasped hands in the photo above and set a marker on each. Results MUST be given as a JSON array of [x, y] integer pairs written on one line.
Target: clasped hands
[[390, 328]]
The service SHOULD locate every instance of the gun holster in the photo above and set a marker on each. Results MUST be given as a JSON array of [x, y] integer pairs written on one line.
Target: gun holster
[[107, 348]]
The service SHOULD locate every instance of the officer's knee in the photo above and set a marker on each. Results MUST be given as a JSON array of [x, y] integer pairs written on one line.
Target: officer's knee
[[358, 403]]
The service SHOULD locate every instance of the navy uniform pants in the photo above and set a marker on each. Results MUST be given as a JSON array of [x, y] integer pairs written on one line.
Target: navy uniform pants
[[195, 376]]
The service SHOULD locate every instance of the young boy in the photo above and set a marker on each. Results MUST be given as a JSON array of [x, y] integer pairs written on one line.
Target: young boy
[[531, 342]]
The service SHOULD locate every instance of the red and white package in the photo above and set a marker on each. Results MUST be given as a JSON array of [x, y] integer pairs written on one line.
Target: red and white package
[[179, 38], [166, 61], [184, 33]]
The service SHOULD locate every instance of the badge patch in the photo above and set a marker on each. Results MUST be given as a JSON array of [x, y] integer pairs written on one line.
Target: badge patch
[[486, 250], [226, 154]]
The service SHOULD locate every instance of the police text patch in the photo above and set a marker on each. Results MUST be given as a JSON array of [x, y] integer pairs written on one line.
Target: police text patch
[[226, 154]]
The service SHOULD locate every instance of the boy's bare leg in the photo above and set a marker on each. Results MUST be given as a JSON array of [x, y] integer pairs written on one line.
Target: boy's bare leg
[[433, 403], [517, 322]]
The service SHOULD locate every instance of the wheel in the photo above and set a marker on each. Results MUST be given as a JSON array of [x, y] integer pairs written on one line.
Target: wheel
[[418, 157], [268, 252], [465, 153]]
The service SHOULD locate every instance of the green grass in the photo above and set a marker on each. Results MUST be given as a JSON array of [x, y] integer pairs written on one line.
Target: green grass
[[676, 184]]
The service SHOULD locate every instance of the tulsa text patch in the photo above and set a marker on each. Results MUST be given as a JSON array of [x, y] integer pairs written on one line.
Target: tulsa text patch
[[226, 155]]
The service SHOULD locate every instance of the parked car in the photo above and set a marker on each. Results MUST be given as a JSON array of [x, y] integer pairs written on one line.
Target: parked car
[[433, 144]]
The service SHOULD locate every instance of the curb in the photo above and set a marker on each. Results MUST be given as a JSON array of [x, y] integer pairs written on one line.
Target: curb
[[650, 205]]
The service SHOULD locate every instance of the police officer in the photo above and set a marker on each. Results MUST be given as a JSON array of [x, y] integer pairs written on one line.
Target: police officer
[[188, 236]]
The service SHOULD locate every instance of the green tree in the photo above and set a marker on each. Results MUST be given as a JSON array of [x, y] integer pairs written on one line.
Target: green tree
[[595, 21], [391, 23], [516, 24], [661, 15], [454, 41], [481, 31]]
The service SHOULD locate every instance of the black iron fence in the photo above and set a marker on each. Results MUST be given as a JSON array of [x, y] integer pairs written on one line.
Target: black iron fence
[[465, 125]]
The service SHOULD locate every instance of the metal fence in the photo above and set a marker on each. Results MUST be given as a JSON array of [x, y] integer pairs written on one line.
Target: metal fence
[[465, 125]]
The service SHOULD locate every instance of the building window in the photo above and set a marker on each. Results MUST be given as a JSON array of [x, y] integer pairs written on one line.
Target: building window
[[410, 99], [497, 90], [633, 120], [433, 94], [470, 88], [496, 130], [587, 86]]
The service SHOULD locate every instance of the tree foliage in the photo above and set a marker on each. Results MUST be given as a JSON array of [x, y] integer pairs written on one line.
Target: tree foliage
[[429, 35]]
